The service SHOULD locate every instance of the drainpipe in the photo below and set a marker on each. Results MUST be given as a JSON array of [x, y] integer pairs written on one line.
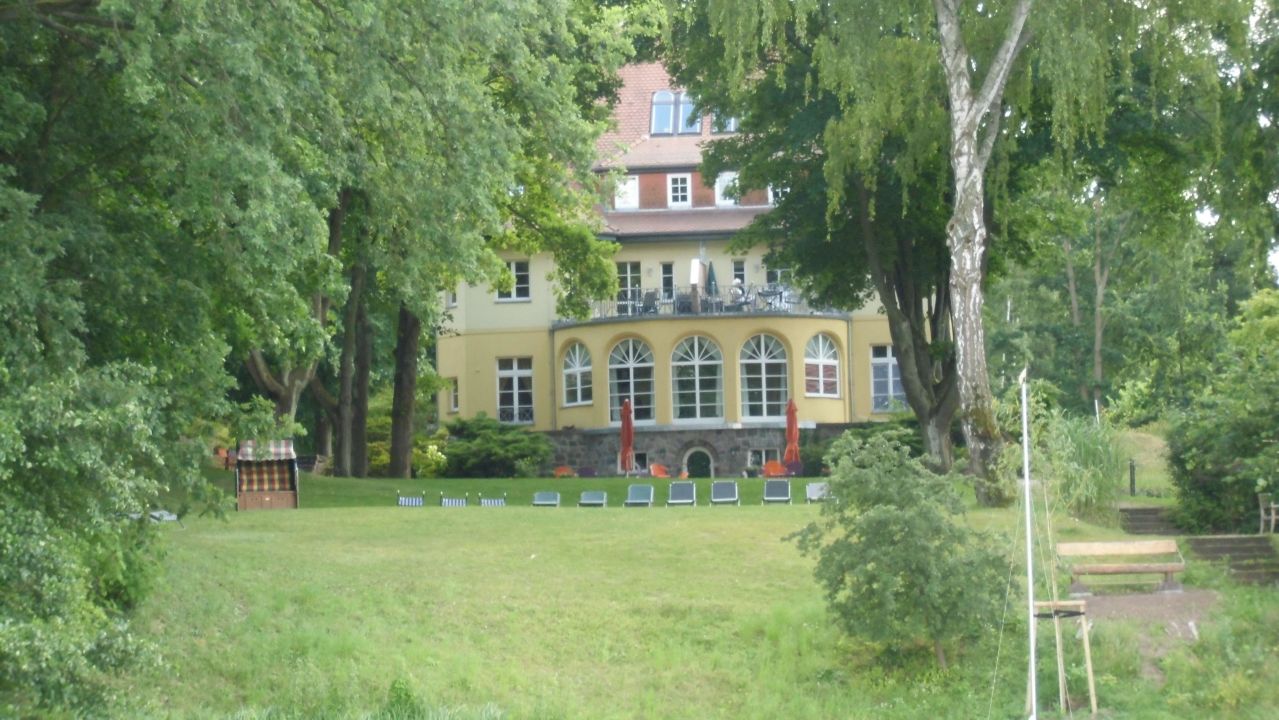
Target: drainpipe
[[555, 391], [848, 406]]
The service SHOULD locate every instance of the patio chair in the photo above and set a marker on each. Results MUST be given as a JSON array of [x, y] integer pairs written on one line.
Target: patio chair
[[639, 495], [776, 491], [546, 498], [649, 306], [593, 498], [658, 470], [816, 492], [493, 501], [682, 492], [587, 471], [794, 468], [453, 501], [724, 492], [409, 500], [563, 471], [1269, 511], [774, 469]]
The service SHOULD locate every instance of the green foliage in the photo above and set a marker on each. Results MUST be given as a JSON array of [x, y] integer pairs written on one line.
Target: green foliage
[[483, 447], [1084, 462], [1225, 447], [895, 564]]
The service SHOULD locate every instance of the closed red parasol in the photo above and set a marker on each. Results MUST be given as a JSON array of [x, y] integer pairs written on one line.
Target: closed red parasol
[[791, 455], [627, 456]]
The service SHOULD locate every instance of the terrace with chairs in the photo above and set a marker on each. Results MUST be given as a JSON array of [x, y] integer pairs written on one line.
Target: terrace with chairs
[[689, 301]]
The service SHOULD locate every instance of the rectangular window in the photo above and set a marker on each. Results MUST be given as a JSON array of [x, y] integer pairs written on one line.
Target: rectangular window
[[775, 194], [756, 457], [780, 276], [726, 191], [455, 398], [668, 281], [679, 192], [628, 288], [725, 124], [885, 380], [515, 390], [450, 298], [520, 291], [627, 197], [739, 270], [690, 123], [641, 462]]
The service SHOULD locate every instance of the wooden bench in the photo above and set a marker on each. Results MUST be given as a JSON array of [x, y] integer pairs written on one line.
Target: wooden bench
[[1148, 557]]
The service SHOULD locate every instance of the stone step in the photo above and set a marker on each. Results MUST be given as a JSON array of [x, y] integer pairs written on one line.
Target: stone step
[[1251, 540], [1146, 521], [1256, 577], [1236, 555]]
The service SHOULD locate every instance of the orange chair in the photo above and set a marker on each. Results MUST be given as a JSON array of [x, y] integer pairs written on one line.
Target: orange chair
[[564, 471], [774, 469], [658, 470]]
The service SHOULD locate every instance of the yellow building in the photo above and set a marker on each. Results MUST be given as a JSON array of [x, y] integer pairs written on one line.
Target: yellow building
[[707, 344]]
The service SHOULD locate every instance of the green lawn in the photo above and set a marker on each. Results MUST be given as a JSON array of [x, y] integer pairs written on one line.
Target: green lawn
[[524, 612]]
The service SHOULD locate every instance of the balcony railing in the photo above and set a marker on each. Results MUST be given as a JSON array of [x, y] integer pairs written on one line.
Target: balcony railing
[[643, 303]]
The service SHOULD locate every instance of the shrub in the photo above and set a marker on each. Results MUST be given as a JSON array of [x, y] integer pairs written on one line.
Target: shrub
[[1225, 447], [483, 447], [894, 563]]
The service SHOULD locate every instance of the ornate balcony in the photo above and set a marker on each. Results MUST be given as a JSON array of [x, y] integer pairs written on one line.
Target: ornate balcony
[[691, 302]]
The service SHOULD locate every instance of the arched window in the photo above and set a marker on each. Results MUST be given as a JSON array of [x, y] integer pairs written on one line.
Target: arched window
[[630, 375], [663, 113], [821, 367], [764, 374], [698, 370], [577, 375]]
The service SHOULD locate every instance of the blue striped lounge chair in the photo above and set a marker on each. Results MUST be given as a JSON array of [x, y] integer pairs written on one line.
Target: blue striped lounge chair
[[453, 501], [682, 492], [546, 498], [724, 492], [776, 491], [639, 495], [409, 500]]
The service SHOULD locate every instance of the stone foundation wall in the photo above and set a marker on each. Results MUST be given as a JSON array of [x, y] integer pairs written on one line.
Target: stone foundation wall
[[729, 448]]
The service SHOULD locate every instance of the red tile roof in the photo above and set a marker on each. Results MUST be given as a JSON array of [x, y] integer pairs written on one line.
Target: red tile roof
[[630, 144]]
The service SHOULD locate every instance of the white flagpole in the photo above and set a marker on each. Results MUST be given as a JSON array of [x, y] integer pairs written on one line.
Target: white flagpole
[[1030, 568]]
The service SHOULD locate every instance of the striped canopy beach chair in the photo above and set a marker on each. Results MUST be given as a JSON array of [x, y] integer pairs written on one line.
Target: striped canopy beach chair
[[409, 500], [266, 475], [494, 501], [453, 501]]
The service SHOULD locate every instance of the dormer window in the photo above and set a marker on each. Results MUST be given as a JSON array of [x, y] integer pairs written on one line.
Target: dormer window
[[726, 191], [674, 113], [663, 112], [724, 124]]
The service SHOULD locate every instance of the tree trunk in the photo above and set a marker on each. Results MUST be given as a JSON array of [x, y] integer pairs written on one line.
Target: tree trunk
[[323, 431], [407, 339], [360, 391], [1101, 276], [940, 652], [1076, 318], [342, 466]]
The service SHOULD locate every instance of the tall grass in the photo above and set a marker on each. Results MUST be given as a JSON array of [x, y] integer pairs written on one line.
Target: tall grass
[[1085, 461]]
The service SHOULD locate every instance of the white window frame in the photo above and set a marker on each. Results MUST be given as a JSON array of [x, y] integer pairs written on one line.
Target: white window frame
[[631, 362], [519, 373], [576, 368], [881, 402], [450, 298], [764, 358], [756, 457], [629, 287], [778, 276], [666, 102], [455, 397], [668, 281], [627, 196], [701, 363], [514, 294], [822, 353], [739, 270], [687, 179], [723, 183], [686, 110], [725, 124]]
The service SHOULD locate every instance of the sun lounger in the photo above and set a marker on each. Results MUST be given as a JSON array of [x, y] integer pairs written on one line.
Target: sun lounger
[[409, 500], [682, 492], [453, 501], [494, 501], [593, 498], [776, 491], [724, 492], [816, 492], [639, 495], [546, 498]]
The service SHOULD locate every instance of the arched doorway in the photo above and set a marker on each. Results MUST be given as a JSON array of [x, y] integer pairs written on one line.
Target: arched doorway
[[699, 463]]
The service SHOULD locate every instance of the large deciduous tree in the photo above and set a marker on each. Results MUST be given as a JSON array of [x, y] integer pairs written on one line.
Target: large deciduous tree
[[899, 64]]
